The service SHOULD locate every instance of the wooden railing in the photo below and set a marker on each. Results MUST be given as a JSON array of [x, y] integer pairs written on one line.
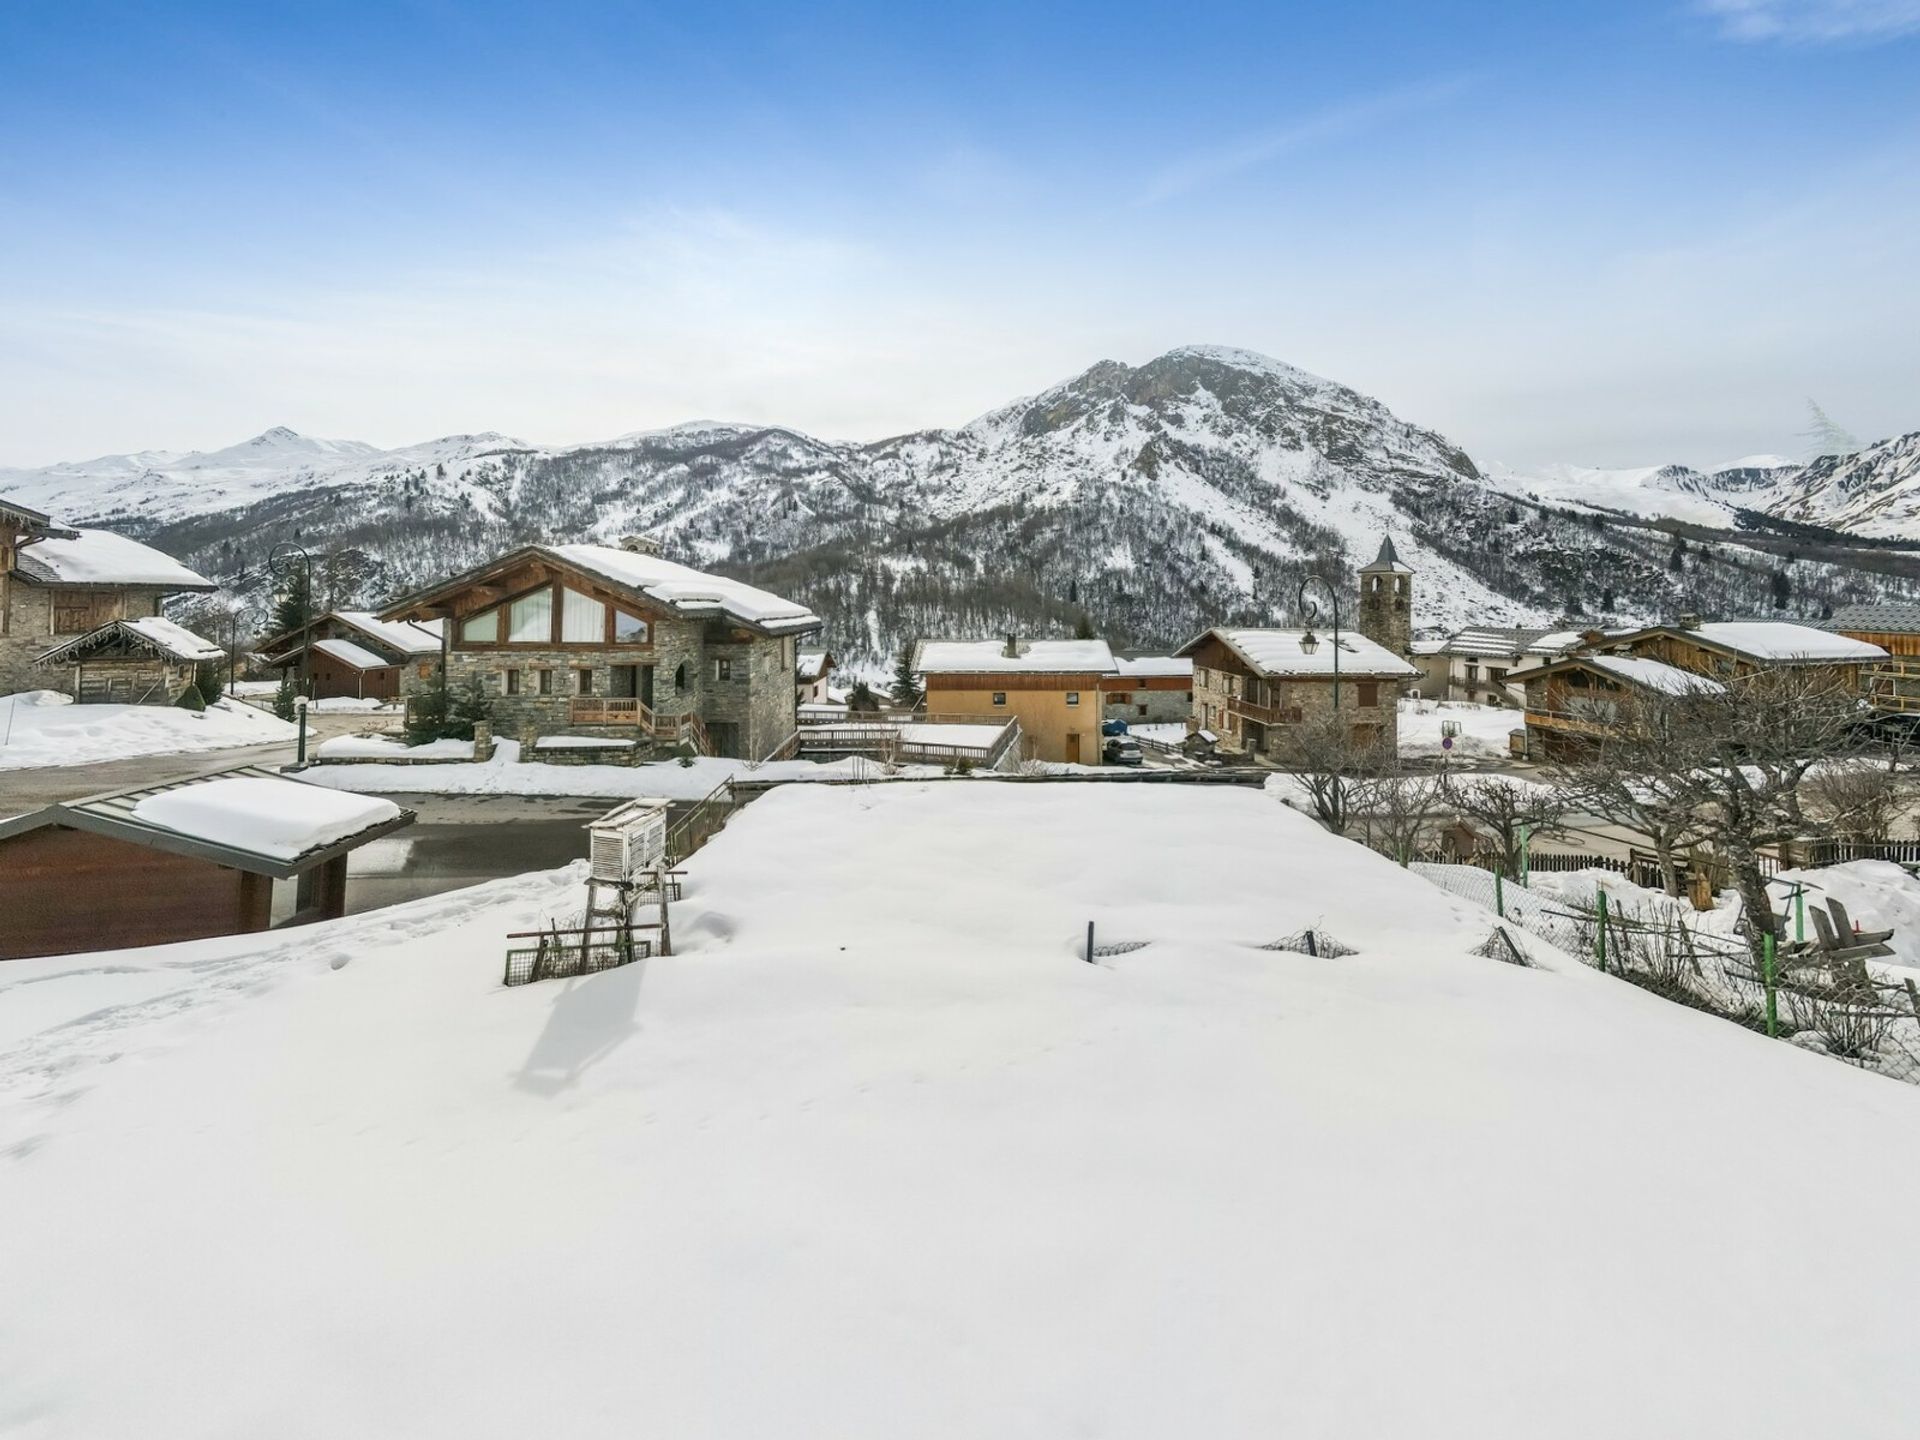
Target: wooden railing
[[610, 710]]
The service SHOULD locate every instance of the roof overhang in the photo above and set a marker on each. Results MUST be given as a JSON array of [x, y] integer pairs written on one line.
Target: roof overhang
[[108, 814]]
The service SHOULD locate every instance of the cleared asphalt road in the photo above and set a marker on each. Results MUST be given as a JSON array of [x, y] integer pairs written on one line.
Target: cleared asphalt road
[[461, 840]]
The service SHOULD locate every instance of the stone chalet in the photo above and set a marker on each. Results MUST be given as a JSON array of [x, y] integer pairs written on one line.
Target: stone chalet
[[1150, 690], [1251, 686], [1575, 701], [57, 585], [615, 641]]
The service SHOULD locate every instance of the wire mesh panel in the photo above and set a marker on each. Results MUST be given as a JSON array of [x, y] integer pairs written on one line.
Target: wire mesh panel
[[566, 956]]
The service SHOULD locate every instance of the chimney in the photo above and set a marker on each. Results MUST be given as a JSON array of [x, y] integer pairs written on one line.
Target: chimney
[[1689, 622], [640, 544], [1012, 652]]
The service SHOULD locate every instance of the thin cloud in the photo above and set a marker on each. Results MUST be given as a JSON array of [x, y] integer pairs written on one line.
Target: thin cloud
[[1815, 22], [1207, 167]]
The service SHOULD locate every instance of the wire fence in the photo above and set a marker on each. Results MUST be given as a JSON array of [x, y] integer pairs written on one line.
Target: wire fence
[[1800, 993]]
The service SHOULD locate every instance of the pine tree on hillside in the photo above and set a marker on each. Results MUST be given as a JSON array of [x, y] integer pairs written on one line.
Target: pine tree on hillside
[[905, 692], [294, 607], [1083, 627], [1782, 589]]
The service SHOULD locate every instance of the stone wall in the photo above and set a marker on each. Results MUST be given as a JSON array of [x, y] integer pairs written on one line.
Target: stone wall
[[1162, 706], [755, 697], [1214, 705], [29, 632]]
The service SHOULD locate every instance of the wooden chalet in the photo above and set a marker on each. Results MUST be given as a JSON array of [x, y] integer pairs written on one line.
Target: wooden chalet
[[1250, 687], [224, 854], [357, 655], [1893, 685], [149, 661], [57, 583], [598, 639], [1052, 687]]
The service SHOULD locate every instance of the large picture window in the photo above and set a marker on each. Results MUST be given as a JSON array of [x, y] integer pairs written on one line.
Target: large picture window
[[583, 620], [631, 629], [530, 619], [481, 629]]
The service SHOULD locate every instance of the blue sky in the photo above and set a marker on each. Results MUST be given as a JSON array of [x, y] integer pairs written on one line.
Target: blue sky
[[1605, 234]]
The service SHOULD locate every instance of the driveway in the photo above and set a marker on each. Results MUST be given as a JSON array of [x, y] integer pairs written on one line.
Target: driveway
[[461, 840]]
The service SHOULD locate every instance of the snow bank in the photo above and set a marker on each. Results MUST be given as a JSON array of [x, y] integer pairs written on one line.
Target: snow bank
[[387, 747], [877, 1155], [280, 819], [43, 727], [504, 774]]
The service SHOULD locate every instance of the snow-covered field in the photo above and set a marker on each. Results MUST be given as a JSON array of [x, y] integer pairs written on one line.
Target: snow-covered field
[[44, 727], [876, 1154], [1483, 729], [505, 774]]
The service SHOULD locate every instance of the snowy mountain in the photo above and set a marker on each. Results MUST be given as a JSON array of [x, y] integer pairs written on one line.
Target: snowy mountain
[[1198, 488], [1876, 492], [1676, 492]]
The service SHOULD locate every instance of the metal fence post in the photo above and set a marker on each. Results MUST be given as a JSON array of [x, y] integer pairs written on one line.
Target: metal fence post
[[1799, 914], [1499, 896], [1766, 974], [1089, 942], [1601, 939]]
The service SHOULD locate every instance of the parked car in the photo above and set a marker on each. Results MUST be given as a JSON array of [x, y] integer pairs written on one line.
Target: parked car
[[1122, 750]]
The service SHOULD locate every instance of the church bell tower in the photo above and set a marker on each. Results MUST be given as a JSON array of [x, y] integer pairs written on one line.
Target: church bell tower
[[1386, 601]]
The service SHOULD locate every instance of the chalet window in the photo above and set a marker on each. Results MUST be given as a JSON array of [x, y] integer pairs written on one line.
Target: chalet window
[[544, 681], [723, 669], [630, 629], [680, 678], [999, 697], [530, 619], [583, 620], [1121, 697], [1073, 697], [75, 614], [513, 682], [1142, 709], [1189, 697], [586, 682], [481, 629], [1369, 692]]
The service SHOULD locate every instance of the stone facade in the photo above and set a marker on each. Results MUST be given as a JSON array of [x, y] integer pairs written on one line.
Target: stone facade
[[738, 684], [1386, 603], [30, 622], [1370, 707], [1159, 701]]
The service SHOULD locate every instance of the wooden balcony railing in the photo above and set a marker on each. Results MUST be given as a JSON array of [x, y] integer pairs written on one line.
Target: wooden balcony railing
[[610, 710]]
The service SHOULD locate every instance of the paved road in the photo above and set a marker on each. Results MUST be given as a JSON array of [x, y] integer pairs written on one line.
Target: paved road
[[461, 840], [49, 784]]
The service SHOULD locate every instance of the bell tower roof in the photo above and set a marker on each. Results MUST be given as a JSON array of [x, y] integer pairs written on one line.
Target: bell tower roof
[[1387, 561]]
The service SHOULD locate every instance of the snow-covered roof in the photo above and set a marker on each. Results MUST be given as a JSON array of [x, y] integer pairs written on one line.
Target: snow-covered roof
[[248, 818], [989, 657], [99, 557], [1429, 647], [1149, 667], [151, 632], [279, 819], [1652, 674], [1278, 653], [1782, 641], [348, 653], [1555, 642], [408, 637], [811, 664], [1884, 618], [681, 587], [1489, 641]]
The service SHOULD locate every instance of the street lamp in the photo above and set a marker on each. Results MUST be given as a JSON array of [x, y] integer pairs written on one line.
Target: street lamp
[[234, 606], [281, 560], [1309, 642]]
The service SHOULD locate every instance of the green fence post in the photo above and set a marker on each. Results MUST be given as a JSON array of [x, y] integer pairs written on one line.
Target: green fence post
[[1766, 974], [1526, 851], [1601, 941], [1799, 914], [1499, 896]]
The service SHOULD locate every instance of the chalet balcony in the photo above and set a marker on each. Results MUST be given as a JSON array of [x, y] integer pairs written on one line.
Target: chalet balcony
[[1263, 714], [610, 710], [1567, 722]]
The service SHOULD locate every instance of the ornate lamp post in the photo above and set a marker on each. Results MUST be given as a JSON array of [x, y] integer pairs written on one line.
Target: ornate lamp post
[[281, 560], [1309, 642]]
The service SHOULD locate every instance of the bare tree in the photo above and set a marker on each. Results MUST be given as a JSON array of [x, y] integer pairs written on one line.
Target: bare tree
[[1740, 751], [1626, 778], [1507, 810], [1857, 798], [1331, 757], [1397, 808]]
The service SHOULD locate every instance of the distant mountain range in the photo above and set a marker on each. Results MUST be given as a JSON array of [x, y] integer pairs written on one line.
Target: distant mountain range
[[1198, 488]]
